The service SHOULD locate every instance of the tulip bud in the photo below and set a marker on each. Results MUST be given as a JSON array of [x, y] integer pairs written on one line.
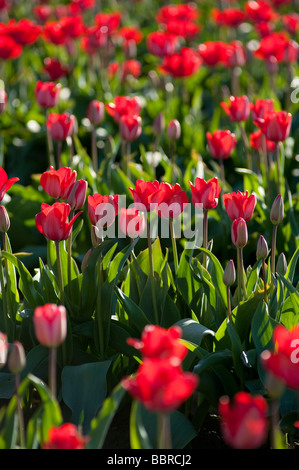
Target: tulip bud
[[95, 112], [281, 265], [3, 349], [77, 196], [96, 239], [239, 233], [277, 210], [16, 358], [159, 124], [262, 248], [130, 127], [50, 324], [229, 275], [84, 263], [174, 130], [4, 220]]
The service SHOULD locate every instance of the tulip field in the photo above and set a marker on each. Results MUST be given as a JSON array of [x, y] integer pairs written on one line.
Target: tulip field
[[149, 217]]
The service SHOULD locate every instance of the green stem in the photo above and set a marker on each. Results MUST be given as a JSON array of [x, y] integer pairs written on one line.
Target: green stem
[[94, 152], [4, 299], [8, 283], [20, 413], [164, 431], [174, 247], [59, 269], [222, 171], [51, 158], [172, 161], [239, 282], [152, 278], [242, 274], [277, 155], [69, 254], [229, 308], [265, 281], [52, 370], [99, 317], [246, 145], [205, 236], [273, 249], [59, 152]]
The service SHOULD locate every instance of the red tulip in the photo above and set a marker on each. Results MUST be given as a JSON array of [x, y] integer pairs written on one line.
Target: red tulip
[[50, 324], [94, 38], [261, 109], [142, 192], [130, 67], [205, 193], [183, 28], [183, 11], [131, 222], [47, 94], [60, 126], [291, 22], [110, 21], [260, 10], [130, 127], [256, 141], [52, 221], [130, 34], [274, 45], [3, 101], [221, 143], [58, 183], [77, 195], [54, 68], [161, 385], [5, 182], [161, 43], [102, 210], [53, 32], [244, 422], [79, 6], [3, 349], [211, 52], [9, 48], [239, 233], [238, 108], [283, 362], [174, 130], [232, 17], [180, 64], [169, 200], [65, 437], [233, 54], [72, 26], [42, 12], [24, 31], [95, 112], [4, 219], [276, 126], [160, 343], [239, 205], [121, 106]]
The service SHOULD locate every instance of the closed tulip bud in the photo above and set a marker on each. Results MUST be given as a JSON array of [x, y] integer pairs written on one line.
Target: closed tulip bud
[[174, 130], [16, 358], [229, 274], [50, 324], [239, 233], [130, 127], [3, 349], [262, 248], [281, 265], [95, 112], [47, 94], [159, 124], [277, 210], [77, 196], [4, 220]]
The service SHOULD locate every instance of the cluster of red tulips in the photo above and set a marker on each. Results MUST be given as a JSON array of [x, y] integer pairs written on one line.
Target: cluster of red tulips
[[160, 381]]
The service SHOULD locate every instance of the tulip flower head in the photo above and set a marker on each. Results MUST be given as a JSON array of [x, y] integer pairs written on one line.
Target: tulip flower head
[[221, 144], [174, 130], [244, 421], [123, 105], [283, 362], [277, 210], [4, 220], [131, 222], [52, 221], [239, 204], [3, 349], [157, 342], [277, 125], [66, 436], [47, 94], [3, 101], [130, 127], [77, 196], [50, 324], [205, 193], [238, 108], [102, 210], [142, 192], [60, 126], [95, 112], [58, 183], [169, 200], [239, 232], [160, 384], [181, 64], [5, 182]]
